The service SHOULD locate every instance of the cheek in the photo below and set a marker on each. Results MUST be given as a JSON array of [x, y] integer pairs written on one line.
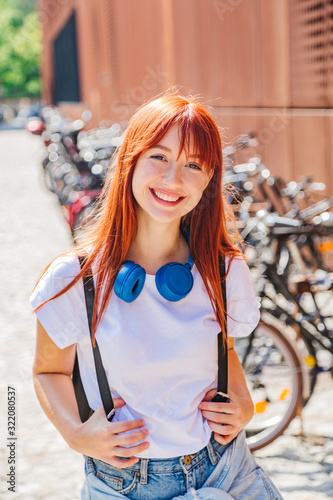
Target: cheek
[[136, 186], [199, 186], [142, 179], [200, 191], [143, 175]]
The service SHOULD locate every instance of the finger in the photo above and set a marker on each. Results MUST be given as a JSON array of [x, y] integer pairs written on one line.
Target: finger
[[132, 450], [134, 437], [224, 439], [118, 402], [227, 408], [126, 425], [223, 430], [122, 464], [210, 394], [219, 418]]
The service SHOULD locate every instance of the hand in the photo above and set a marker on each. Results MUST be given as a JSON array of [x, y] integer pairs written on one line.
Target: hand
[[104, 440], [226, 420]]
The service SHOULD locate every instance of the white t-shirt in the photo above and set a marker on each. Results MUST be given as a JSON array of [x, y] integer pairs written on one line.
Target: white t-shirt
[[159, 356]]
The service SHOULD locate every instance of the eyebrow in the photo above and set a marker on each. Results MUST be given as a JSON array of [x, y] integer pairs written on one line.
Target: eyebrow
[[160, 146]]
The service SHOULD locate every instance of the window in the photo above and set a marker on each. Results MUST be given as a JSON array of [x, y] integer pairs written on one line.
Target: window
[[66, 74]]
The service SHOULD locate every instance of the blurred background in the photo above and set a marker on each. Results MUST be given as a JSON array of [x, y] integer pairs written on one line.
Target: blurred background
[[263, 65], [72, 72]]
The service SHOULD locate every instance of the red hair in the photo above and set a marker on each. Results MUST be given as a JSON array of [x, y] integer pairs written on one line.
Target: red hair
[[112, 233]]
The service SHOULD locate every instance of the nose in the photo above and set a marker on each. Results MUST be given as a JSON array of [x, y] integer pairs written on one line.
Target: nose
[[172, 174]]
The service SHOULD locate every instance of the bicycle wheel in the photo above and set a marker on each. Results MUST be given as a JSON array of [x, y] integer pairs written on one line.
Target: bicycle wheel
[[274, 376]]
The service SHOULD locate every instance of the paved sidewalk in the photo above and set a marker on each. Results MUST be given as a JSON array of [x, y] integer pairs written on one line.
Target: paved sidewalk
[[32, 232]]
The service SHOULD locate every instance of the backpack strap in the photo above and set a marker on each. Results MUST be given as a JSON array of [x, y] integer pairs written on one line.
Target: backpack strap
[[89, 294], [222, 375], [84, 409]]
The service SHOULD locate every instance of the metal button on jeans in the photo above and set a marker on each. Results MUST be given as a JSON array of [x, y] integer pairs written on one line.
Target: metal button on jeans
[[188, 459]]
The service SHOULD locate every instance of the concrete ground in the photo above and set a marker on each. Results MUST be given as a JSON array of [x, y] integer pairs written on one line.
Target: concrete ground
[[32, 232]]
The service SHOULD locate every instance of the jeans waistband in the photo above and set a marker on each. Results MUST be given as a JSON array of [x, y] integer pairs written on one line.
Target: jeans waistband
[[174, 464]]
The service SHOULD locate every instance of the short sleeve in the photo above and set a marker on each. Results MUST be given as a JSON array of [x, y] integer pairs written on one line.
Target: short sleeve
[[243, 308], [64, 318]]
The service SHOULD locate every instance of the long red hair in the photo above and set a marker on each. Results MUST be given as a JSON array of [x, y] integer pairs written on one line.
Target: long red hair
[[115, 226]]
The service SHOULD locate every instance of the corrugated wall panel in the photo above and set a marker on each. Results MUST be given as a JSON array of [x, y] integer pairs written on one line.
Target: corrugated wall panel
[[312, 52], [209, 56], [226, 64], [329, 163], [188, 33], [330, 55], [229, 123], [310, 144], [248, 54], [275, 143], [141, 74], [274, 41]]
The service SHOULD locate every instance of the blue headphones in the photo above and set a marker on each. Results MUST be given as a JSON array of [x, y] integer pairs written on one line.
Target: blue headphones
[[173, 281]]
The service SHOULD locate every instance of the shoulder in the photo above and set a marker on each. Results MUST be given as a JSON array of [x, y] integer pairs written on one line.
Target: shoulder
[[55, 278], [239, 279], [64, 267], [243, 309], [237, 267], [63, 315]]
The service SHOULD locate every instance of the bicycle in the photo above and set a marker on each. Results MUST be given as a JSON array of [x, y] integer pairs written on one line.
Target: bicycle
[[282, 307]]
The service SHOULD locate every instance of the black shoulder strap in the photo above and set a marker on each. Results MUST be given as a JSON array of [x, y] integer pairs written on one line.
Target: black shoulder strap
[[89, 294], [84, 409], [222, 375]]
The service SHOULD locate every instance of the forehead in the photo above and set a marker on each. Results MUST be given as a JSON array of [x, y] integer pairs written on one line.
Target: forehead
[[175, 139]]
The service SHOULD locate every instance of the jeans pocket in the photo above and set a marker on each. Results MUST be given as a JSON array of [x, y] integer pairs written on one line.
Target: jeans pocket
[[122, 481], [254, 486]]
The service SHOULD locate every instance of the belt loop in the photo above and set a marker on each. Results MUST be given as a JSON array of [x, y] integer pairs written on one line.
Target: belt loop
[[143, 470], [211, 453], [90, 466]]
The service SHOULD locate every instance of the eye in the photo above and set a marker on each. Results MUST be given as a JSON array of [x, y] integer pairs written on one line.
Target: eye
[[194, 166], [157, 157]]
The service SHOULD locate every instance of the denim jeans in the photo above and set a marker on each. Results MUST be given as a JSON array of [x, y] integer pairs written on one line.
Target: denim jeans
[[216, 472]]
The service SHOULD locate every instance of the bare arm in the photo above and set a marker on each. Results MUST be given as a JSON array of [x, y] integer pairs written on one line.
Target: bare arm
[[227, 419], [96, 437]]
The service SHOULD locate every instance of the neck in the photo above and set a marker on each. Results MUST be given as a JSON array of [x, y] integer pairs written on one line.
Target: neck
[[157, 244]]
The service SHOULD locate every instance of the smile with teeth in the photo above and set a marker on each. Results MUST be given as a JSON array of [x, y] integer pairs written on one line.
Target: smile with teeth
[[166, 197]]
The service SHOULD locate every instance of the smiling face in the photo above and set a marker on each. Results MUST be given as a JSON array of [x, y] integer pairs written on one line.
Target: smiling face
[[168, 184]]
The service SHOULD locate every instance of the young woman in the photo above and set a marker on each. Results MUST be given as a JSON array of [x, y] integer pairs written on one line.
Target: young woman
[[162, 203]]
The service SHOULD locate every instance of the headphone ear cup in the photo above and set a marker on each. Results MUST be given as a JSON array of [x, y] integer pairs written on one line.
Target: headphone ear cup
[[174, 281], [129, 281]]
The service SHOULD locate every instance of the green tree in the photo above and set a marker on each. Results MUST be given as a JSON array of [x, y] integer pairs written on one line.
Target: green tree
[[24, 6], [20, 48]]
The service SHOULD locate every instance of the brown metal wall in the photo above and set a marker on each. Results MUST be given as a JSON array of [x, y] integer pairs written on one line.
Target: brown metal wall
[[263, 65], [312, 51]]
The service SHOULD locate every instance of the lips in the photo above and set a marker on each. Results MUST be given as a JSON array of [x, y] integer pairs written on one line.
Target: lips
[[166, 197]]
